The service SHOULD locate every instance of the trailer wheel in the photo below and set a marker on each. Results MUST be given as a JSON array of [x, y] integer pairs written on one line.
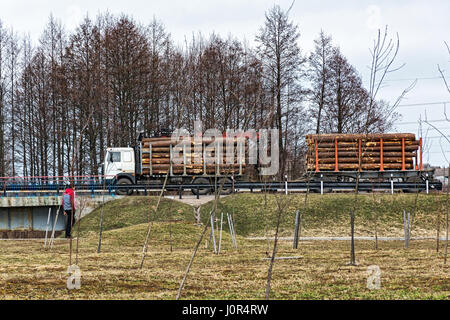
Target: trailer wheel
[[201, 191], [327, 190], [225, 190], [124, 191]]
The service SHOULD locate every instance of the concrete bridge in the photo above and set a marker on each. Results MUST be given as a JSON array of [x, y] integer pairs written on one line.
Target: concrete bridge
[[29, 217]]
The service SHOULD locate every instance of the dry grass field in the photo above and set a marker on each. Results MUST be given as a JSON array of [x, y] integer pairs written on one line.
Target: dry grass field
[[28, 271]]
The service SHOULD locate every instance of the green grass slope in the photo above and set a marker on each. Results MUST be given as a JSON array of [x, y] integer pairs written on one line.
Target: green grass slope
[[30, 271], [131, 211], [256, 214], [329, 214]]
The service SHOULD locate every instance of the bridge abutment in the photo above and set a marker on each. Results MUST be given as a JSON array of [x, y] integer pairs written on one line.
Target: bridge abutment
[[28, 217]]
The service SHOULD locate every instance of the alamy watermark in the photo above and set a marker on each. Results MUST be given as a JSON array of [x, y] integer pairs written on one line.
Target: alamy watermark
[[374, 277], [74, 279], [373, 21], [212, 147]]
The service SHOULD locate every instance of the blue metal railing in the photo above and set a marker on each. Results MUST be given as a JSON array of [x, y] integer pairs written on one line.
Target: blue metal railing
[[55, 185]]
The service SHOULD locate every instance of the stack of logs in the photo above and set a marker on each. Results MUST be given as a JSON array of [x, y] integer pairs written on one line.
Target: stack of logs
[[392, 151], [187, 155]]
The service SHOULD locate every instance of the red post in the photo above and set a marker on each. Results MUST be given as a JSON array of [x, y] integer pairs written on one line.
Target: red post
[[359, 155], [403, 154], [336, 167], [417, 162], [421, 150], [381, 155], [317, 157]]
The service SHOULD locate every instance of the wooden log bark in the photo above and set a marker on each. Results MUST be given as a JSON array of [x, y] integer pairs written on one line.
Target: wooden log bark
[[363, 160], [368, 149], [193, 171], [350, 166], [352, 137], [354, 154], [190, 153], [194, 166], [167, 142], [364, 145], [190, 160]]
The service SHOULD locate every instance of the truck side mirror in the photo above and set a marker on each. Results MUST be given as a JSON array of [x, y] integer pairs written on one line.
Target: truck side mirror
[[110, 158]]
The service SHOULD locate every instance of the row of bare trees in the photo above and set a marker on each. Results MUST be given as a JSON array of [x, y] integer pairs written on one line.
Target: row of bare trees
[[113, 77], [339, 101]]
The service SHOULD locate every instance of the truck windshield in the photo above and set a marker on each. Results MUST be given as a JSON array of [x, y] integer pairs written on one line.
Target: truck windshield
[[115, 156]]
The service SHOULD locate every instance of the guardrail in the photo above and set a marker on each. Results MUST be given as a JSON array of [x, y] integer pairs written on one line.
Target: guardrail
[[28, 186]]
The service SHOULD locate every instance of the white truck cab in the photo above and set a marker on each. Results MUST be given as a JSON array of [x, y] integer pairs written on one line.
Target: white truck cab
[[119, 160]]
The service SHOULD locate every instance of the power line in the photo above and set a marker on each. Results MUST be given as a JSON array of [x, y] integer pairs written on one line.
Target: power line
[[417, 122], [418, 78], [434, 137], [412, 79], [433, 152], [441, 128], [423, 104], [436, 129]]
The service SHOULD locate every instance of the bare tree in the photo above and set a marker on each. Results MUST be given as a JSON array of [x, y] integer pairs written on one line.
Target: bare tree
[[282, 203], [349, 99], [384, 53], [448, 174], [4, 40], [282, 60], [442, 71], [132, 77], [320, 78]]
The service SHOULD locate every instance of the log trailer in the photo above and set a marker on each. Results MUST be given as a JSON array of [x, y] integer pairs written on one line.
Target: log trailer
[[369, 158]]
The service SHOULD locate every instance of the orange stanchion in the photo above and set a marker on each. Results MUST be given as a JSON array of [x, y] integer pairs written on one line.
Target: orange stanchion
[[381, 155], [403, 154], [317, 157], [336, 167], [420, 147], [359, 154]]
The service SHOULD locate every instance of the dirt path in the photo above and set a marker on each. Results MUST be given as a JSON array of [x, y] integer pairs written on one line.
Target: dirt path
[[192, 200], [343, 238]]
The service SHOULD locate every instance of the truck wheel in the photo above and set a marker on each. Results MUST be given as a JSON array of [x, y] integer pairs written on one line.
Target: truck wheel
[[124, 191], [327, 190], [201, 191], [225, 190]]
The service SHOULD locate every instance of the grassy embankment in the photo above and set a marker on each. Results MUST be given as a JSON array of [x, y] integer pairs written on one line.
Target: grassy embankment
[[28, 271], [328, 215]]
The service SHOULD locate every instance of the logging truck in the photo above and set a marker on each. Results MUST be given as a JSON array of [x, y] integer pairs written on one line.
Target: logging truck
[[197, 161], [208, 161]]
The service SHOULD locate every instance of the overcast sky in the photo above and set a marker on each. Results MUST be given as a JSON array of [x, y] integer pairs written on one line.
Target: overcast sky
[[423, 26]]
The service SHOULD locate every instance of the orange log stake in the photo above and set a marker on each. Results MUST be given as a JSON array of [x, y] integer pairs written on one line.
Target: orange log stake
[[359, 154], [403, 154], [417, 162], [336, 167], [420, 146], [317, 157], [381, 155]]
